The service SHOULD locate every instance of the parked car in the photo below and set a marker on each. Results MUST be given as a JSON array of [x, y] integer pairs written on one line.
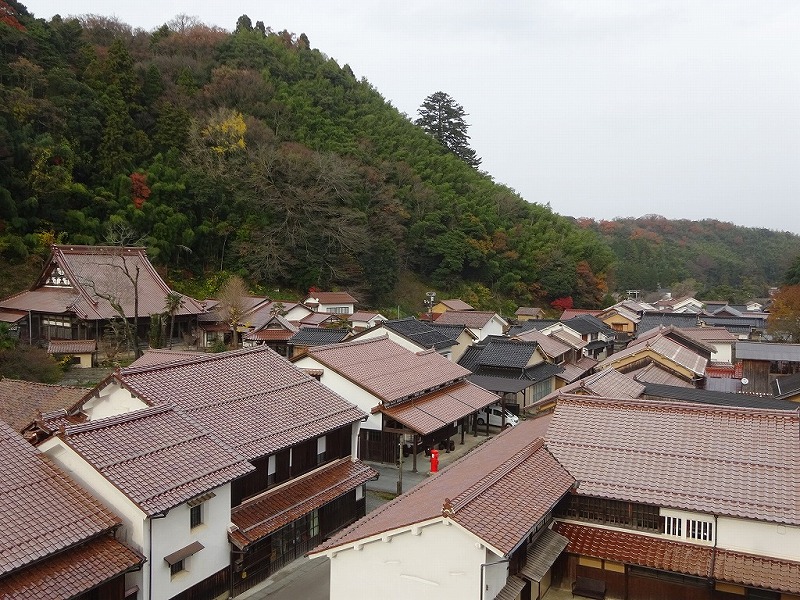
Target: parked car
[[496, 417]]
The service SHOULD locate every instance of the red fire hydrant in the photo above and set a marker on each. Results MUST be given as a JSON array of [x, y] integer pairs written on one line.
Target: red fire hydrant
[[434, 461]]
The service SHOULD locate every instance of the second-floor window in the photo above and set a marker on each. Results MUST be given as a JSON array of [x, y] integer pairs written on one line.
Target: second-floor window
[[196, 516], [629, 515]]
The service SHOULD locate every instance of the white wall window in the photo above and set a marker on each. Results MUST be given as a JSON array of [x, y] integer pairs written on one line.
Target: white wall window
[[699, 530], [339, 310], [271, 470], [321, 450], [672, 526]]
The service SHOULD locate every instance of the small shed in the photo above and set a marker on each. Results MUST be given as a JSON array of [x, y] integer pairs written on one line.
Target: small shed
[[83, 352]]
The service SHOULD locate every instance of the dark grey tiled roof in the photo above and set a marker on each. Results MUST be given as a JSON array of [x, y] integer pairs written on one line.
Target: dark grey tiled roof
[[537, 324], [786, 386], [313, 336], [506, 353], [419, 332], [672, 392], [469, 360], [585, 324]]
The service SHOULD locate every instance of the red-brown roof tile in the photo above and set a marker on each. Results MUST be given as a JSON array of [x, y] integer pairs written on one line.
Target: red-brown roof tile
[[271, 511], [21, 401], [501, 472], [757, 571], [720, 460], [469, 318], [156, 457], [92, 269], [386, 369], [430, 412], [254, 400], [41, 509], [71, 346], [72, 572], [160, 356], [640, 550]]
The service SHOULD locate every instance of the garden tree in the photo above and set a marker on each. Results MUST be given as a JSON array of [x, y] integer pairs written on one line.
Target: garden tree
[[784, 314], [156, 335], [232, 305], [443, 118], [172, 304]]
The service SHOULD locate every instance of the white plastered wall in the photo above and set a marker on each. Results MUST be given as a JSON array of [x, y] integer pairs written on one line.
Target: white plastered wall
[[441, 561], [111, 400]]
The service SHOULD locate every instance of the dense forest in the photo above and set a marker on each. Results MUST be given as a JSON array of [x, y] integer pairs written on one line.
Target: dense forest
[[252, 153], [715, 259]]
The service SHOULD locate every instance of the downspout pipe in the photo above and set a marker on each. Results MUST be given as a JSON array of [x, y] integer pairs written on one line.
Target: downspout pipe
[[150, 553]]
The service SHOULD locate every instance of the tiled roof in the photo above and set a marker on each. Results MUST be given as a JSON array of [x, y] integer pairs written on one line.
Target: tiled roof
[[691, 394], [160, 356], [333, 298], [680, 335], [788, 385], [156, 457], [758, 571], [456, 304], [528, 311], [640, 550], [270, 335], [313, 336], [386, 369], [549, 345], [744, 467], [433, 411], [318, 319], [475, 319], [664, 346], [21, 401], [43, 511], [72, 572], [12, 316], [362, 315], [422, 333], [570, 313], [586, 324], [499, 491], [254, 400], [655, 373], [572, 372], [271, 511], [503, 352], [71, 346], [767, 351], [100, 268], [500, 385], [566, 337]]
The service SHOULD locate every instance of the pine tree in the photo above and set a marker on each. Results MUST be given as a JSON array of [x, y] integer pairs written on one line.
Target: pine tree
[[443, 118]]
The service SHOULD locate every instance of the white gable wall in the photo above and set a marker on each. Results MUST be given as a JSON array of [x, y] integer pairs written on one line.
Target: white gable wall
[[174, 532], [346, 389], [113, 400], [169, 534], [442, 561]]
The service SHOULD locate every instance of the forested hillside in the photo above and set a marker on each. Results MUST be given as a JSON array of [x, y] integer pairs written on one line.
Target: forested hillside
[[252, 152], [714, 258]]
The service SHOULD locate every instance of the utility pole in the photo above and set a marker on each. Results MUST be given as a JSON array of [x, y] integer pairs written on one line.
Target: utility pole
[[400, 478]]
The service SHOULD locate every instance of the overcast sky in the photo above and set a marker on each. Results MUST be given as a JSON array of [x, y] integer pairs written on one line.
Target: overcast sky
[[601, 108]]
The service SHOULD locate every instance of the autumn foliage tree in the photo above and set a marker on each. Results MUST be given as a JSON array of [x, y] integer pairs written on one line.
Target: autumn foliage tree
[[784, 315]]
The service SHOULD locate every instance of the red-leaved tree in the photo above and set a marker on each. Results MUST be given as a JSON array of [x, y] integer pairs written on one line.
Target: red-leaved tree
[[139, 190]]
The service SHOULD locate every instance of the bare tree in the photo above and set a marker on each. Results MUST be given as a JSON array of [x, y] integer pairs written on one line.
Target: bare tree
[[232, 306]]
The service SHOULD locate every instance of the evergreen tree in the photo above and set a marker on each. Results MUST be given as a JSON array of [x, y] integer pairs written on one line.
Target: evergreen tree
[[443, 118]]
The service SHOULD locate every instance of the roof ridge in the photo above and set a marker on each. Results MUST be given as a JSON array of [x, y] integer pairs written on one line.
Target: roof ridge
[[354, 342], [200, 358], [451, 507], [133, 415]]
